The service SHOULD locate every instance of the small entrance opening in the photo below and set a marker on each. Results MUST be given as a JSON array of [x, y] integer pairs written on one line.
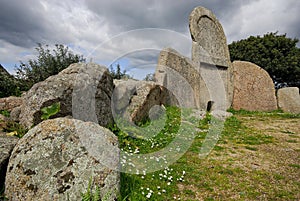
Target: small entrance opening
[[209, 106]]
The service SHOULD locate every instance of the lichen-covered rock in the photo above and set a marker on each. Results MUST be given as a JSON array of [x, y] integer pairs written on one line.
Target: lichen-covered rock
[[9, 103], [7, 143], [289, 99], [3, 122], [253, 88], [83, 91], [57, 158], [180, 76], [15, 114], [134, 99]]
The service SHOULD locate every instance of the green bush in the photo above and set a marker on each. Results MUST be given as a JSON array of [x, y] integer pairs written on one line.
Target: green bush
[[9, 85], [277, 54], [46, 64]]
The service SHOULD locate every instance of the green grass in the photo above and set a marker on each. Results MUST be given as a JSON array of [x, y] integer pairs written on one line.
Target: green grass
[[292, 141], [237, 133], [12, 127], [5, 113], [92, 192], [16, 129], [216, 177], [251, 148], [2, 196], [295, 165], [275, 114]]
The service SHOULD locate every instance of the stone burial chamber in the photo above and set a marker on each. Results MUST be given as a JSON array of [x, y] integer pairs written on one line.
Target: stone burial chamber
[[205, 81]]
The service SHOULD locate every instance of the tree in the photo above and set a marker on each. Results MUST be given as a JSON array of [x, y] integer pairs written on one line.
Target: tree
[[8, 84], [277, 54], [149, 77], [118, 74], [47, 63]]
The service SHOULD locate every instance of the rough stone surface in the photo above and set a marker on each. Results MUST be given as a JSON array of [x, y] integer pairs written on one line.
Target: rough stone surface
[[9, 103], [253, 88], [7, 144], [15, 114], [210, 52], [3, 121], [83, 90], [181, 78], [134, 99], [289, 99], [57, 158]]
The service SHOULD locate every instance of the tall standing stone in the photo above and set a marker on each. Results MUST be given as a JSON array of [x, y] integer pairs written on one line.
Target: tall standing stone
[[253, 88], [210, 52]]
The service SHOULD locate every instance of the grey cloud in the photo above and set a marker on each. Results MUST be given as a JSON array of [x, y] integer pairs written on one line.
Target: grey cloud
[[90, 22], [134, 14], [170, 14], [22, 22]]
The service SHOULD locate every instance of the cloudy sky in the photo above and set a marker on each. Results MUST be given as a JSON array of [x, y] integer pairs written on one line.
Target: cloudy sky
[[131, 32]]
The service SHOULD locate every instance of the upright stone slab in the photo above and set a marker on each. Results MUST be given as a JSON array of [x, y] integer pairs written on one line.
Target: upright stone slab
[[210, 52], [253, 88], [178, 74], [289, 99]]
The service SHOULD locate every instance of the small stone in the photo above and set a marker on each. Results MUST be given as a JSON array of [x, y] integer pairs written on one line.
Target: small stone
[[15, 114], [289, 99]]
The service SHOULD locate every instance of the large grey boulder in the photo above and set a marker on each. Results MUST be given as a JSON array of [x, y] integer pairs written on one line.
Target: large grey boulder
[[83, 91], [211, 54], [7, 143], [133, 99], [57, 158], [289, 99], [253, 88]]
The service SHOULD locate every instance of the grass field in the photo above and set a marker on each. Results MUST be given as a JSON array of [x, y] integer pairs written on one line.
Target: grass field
[[257, 157]]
